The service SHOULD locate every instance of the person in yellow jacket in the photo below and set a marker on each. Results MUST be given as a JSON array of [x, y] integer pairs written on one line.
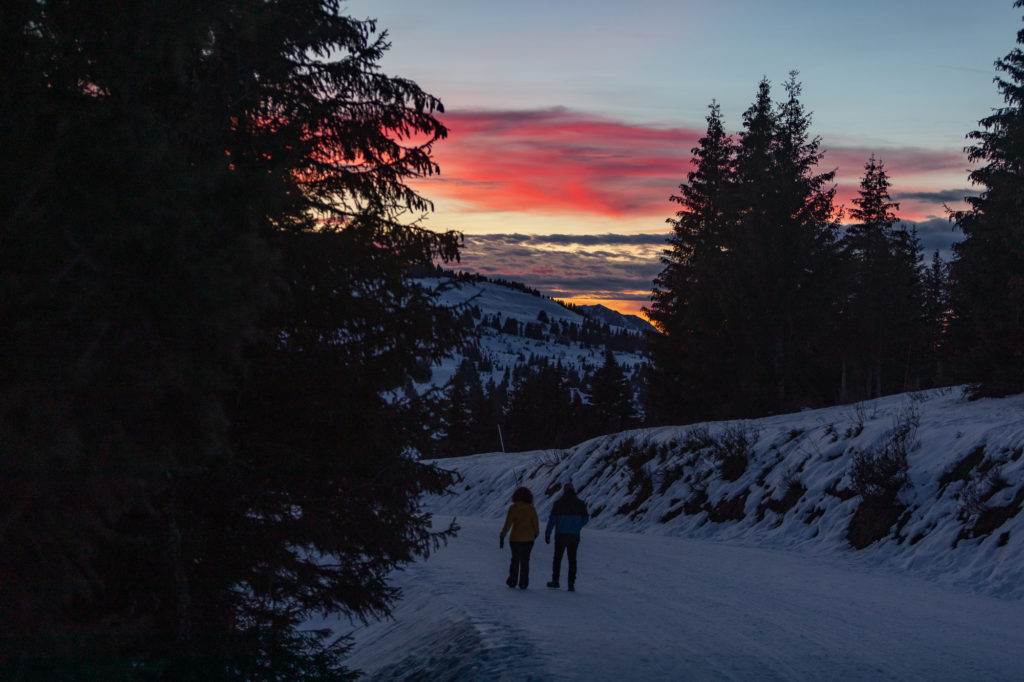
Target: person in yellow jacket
[[522, 520]]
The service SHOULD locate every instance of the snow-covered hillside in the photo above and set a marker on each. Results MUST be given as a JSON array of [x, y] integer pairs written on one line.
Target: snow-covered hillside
[[498, 350], [957, 520]]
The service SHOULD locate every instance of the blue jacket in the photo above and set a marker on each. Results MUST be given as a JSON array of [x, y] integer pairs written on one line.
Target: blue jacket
[[568, 516]]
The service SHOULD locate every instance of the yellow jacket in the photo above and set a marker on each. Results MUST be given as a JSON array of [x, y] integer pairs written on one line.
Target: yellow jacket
[[522, 519]]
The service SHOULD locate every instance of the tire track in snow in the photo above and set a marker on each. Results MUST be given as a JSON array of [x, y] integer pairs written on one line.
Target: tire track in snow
[[435, 637]]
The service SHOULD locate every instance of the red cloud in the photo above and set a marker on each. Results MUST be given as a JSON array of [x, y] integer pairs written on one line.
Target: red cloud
[[559, 161], [563, 161]]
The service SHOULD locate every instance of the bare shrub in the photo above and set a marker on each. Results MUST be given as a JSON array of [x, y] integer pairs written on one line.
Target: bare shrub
[[697, 438], [878, 476], [971, 502], [882, 471], [668, 475], [637, 458], [731, 509], [732, 450], [793, 489], [992, 517]]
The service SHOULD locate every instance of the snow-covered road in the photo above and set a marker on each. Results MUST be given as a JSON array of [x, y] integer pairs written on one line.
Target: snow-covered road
[[661, 608]]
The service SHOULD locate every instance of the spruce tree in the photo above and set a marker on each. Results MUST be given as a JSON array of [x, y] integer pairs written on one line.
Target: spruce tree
[[539, 413], [689, 365], [935, 290], [747, 297], [611, 398], [794, 226], [883, 313], [986, 273], [208, 321]]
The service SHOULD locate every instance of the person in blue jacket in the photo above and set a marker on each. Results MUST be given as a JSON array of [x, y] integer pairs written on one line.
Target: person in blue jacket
[[568, 516]]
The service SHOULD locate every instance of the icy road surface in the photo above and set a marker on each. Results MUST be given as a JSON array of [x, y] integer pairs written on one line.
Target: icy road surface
[[660, 608]]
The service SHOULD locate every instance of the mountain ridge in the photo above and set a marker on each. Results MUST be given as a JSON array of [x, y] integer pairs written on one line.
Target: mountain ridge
[[615, 318], [541, 329]]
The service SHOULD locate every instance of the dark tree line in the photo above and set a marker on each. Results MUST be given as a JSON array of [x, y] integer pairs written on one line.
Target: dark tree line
[[766, 303], [538, 404], [205, 302], [589, 333]]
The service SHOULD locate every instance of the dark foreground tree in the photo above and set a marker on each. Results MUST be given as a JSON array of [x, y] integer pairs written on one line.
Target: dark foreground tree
[[988, 269], [205, 311]]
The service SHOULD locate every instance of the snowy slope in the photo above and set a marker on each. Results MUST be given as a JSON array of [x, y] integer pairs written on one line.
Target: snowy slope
[[502, 351], [495, 298], [688, 576], [944, 536]]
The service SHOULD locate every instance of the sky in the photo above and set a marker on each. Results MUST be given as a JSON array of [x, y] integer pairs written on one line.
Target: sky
[[571, 123]]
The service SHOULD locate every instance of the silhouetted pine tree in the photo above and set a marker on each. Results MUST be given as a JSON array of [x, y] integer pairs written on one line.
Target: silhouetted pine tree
[[987, 281], [472, 414], [691, 368], [883, 327], [539, 413], [747, 298], [935, 290], [611, 399], [454, 440], [790, 223], [486, 414], [205, 306]]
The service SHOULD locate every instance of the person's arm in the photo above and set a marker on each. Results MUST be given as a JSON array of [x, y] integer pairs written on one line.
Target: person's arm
[[551, 524], [586, 516], [534, 522]]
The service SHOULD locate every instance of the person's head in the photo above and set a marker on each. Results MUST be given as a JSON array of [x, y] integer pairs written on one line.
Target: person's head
[[569, 490], [522, 494]]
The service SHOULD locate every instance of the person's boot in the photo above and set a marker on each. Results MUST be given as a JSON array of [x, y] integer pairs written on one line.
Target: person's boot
[[572, 587], [553, 584], [510, 582]]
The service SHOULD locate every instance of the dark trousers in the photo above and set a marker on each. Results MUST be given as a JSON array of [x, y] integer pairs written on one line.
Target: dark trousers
[[519, 569], [565, 542]]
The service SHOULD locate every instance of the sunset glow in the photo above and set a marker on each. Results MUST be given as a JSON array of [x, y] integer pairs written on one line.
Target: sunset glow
[[626, 307], [576, 123]]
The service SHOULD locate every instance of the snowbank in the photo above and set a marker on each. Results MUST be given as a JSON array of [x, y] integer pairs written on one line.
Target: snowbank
[[786, 482]]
